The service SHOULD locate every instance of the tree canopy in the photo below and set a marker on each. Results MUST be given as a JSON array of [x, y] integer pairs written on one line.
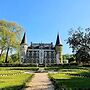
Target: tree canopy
[[10, 36], [79, 41]]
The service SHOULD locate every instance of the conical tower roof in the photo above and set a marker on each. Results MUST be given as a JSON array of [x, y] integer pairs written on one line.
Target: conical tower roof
[[24, 39], [58, 40]]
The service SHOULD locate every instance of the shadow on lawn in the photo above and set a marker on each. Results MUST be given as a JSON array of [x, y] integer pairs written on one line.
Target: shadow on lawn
[[13, 88], [74, 83], [18, 87]]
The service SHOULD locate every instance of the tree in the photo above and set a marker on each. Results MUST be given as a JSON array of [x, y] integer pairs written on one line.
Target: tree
[[79, 40], [2, 60], [10, 35], [69, 57], [82, 55], [15, 58]]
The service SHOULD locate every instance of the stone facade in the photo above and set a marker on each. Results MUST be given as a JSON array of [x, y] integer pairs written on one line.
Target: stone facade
[[41, 53]]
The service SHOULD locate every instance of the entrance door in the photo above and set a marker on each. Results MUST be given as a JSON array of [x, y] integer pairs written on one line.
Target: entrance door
[[41, 56]]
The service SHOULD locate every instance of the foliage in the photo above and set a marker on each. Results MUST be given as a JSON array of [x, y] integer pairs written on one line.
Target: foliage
[[82, 55], [78, 38], [10, 34], [72, 59], [58, 68], [24, 68], [15, 57], [18, 69], [66, 56], [79, 41], [69, 57], [10, 59], [2, 59]]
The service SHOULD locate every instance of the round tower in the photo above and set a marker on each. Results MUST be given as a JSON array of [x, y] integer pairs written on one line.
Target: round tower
[[23, 49], [58, 49]]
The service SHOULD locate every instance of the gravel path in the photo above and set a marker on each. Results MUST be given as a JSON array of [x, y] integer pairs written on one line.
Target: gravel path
[[40, 81]]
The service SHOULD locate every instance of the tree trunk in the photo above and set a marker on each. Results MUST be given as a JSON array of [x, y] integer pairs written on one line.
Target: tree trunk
[[1, 53], [6, 59]]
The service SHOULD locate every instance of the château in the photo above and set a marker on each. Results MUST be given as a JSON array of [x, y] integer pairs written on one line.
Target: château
[[41, 53]]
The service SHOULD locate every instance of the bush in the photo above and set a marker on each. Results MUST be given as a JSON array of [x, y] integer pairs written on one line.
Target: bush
[[24, 68], [16, 65]]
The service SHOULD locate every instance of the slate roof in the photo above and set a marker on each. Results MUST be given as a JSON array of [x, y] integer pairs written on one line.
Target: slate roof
[[58, 40], [24, 39]]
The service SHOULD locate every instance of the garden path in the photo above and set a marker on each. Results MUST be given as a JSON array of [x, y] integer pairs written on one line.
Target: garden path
[[40, 81]]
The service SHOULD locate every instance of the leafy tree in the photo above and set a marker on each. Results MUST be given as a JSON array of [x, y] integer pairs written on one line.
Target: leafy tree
[[79, 40], [2, 59], [10, 35], [66, 56], [15, 57], [82, 55], [71, 59]]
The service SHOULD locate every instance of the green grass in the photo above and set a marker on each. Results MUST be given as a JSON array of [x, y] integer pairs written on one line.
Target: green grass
[[13, 79], [10, 72], [71, 82]]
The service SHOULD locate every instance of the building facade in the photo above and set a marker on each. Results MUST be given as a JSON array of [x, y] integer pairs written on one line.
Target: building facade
[[41, 53]]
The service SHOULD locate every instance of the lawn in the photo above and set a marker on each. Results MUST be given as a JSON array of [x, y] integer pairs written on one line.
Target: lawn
[[19, 68], [71, 79], [13, 79]]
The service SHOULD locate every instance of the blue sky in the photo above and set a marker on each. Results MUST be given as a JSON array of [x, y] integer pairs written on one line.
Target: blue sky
[[43, 19]]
